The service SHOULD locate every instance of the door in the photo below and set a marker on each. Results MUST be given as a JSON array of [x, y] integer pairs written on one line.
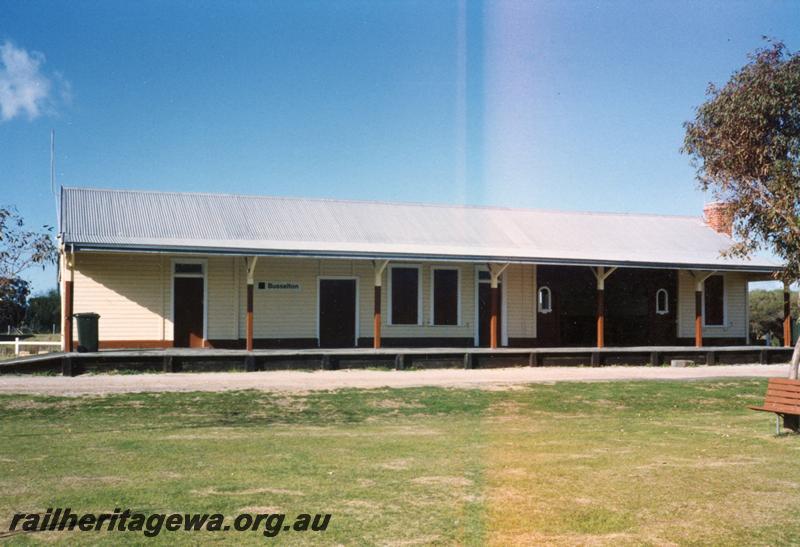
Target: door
[[548, 323], [188, 305], [485, 314], [663, 322], [337, 313]]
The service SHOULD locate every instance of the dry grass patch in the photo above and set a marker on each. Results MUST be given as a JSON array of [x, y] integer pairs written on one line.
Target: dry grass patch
[[443, 481], [247, 492], [394, 404], [261, 509], [395, 465]]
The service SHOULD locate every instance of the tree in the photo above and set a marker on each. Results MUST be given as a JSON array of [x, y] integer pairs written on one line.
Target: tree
[[745, 145], [766, 313], [44, 311], [20, 249], [13, 302]]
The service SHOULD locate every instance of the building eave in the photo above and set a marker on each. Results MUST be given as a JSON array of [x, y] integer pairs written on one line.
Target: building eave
[[428, 257]]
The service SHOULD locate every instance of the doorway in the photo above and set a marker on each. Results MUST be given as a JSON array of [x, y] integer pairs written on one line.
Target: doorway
[[337, 313], [485, 311], [189, 305], [189, 295]]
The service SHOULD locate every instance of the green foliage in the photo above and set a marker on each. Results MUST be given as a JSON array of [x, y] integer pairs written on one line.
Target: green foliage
[[13, 302], [766, 314], [21, 248], [44, 311], [745, 145]]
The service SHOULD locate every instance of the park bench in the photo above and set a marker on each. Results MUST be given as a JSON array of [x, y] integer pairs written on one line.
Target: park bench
[[783, 398]]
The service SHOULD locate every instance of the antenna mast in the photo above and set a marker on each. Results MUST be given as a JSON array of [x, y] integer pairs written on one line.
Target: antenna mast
[[53, 175]]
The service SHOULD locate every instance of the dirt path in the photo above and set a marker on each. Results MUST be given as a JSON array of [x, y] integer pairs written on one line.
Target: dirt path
[[291, 380]]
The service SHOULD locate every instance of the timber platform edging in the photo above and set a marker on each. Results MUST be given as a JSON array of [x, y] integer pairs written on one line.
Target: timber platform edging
[[207, 359]]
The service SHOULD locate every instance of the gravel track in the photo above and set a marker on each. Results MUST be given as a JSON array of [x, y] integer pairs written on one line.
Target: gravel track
[[298, 381]]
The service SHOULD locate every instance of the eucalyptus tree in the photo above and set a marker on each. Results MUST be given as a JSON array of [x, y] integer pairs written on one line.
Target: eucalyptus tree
[[745, 145], [20, 250]]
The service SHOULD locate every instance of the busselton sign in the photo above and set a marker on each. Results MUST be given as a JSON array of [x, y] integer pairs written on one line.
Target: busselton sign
[[278, 286]]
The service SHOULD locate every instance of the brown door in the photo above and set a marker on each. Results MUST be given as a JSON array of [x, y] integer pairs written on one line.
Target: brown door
[[188, 312], [548, 324], [337, 313], [663, 326], [485, 313]]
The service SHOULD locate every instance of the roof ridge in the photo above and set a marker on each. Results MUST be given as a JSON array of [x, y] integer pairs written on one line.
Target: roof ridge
[[697, 217]]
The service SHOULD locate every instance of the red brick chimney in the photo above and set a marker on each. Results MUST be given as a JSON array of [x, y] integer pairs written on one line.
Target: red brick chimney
[[718, 216]]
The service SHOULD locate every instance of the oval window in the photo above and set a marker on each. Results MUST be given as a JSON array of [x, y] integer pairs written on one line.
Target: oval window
[[545, 300], [662, 302]]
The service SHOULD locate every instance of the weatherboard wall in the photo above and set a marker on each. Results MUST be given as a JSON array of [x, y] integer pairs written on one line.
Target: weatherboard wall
[[293, 313], [127, 291], [735, 307], [133, 295]]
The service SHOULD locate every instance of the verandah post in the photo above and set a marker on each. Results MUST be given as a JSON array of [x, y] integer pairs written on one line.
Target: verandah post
[[493, 319], [601, 274], [601, 316], [698, 306], [698, 316], [495, 271], [251, 267], [68, 299], [376, 319], [68, 315], [787, 315], [249, 316]]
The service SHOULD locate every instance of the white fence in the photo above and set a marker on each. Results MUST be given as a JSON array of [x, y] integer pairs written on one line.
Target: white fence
[[18, 346]]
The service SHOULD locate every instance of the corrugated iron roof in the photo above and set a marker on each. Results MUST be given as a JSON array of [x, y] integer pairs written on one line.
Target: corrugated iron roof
[[95, 219]]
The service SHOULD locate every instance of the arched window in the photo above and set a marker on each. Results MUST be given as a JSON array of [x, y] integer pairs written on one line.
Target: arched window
[[662, 302], [545, 301]]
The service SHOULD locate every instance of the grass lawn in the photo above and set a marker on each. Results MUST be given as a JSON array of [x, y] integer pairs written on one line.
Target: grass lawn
[[608, 463]]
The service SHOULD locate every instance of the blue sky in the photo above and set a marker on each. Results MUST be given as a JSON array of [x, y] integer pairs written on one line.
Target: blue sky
[[557, 105]]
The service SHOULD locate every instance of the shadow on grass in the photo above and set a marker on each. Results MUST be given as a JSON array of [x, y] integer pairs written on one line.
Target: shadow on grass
[[27, 415]]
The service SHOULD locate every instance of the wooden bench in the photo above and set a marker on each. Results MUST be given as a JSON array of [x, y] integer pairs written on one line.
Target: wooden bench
[[783, 398]]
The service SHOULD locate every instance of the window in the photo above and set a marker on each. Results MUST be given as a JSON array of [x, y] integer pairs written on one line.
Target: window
[[445, 296], [714, 300], [191, 268], [405, 295], [662, 302], [545, 300]]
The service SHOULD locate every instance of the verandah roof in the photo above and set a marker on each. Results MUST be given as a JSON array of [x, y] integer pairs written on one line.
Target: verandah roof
[[121, 220]]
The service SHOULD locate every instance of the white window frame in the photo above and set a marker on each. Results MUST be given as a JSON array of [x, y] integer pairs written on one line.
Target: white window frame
[[417, 267], [724, 323], [358, 303], [665, 311], [204, 276], [434, 269], [539, 306]]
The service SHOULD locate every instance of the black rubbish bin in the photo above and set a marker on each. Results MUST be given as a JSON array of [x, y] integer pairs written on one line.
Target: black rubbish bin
[[87, 331]]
